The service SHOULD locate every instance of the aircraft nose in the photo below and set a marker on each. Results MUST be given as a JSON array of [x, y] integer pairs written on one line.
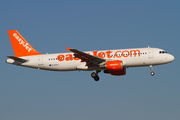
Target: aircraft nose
[[171, 58]]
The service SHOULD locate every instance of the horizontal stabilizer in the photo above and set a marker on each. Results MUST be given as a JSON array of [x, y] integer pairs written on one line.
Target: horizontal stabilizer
[[17, 59]]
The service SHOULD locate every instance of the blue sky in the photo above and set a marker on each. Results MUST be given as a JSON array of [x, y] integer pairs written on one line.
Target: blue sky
[[49, 26]]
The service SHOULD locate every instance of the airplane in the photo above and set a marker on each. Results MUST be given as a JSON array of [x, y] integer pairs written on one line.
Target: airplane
[[112, 62]]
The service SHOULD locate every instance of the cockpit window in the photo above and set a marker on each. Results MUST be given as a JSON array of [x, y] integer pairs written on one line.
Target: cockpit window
[[162, 52]]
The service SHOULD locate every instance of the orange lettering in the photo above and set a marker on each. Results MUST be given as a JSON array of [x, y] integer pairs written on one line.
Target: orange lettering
[[95, 53], [109, 54], [60, 58], [101, 55], [117, 55], [134, 52], [69, 57], [126, 53]]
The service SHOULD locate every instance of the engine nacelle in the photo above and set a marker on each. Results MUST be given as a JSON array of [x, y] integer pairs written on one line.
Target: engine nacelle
[[114, 65]]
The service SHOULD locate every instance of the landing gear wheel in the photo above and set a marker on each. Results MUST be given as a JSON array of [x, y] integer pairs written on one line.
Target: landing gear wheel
[[151, 68], [93, 74], [96, 78], [152, 73]]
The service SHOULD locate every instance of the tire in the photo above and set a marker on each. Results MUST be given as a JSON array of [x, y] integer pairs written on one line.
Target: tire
[[93, 75], [152, 73], [96, 78]]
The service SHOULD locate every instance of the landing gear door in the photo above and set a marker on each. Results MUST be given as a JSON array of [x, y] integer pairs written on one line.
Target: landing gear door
[[150, 53], [40, 60]]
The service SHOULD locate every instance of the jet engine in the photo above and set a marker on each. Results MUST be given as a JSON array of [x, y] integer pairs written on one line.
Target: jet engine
[[115, 67]]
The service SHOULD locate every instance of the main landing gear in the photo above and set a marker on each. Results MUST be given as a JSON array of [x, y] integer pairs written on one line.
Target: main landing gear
[[95, 75], [151, 68]]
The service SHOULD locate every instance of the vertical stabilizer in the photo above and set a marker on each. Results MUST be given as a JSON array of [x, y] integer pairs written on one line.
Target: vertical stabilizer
[[20, 46]]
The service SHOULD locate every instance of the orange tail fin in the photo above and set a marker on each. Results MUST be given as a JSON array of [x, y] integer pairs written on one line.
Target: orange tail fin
[[20, 46]]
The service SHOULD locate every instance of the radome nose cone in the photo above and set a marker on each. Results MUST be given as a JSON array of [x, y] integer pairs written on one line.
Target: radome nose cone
[[171, 57]]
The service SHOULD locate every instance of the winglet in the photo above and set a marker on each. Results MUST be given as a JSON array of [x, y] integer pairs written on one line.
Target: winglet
[[68, 48]]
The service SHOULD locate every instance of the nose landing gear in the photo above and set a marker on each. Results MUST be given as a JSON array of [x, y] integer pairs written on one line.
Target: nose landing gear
[[95, 75], [151, 68]]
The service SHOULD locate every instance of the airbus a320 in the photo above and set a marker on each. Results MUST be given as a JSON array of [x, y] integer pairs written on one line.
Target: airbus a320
[[112, 62]]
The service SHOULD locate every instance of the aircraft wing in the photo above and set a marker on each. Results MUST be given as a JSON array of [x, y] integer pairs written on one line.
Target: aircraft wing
[[89, 59]]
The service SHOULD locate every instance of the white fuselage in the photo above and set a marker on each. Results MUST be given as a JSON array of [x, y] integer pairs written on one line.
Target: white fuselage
[[67, 62]]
